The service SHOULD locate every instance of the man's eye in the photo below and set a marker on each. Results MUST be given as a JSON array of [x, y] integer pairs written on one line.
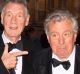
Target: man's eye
[[8, 15], [54, 35], [20, 16], [67, 34]]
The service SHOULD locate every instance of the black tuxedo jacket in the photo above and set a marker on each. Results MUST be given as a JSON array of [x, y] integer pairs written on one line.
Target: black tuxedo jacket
[[42, 62], [27, 59]]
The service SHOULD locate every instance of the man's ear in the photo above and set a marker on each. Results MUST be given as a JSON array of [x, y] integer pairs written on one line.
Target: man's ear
[[27, 20], [75, 36], [2, 18], [48, 38]]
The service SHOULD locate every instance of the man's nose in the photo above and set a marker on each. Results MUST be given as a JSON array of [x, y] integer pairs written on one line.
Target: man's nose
[[61, 40], [13, 20]]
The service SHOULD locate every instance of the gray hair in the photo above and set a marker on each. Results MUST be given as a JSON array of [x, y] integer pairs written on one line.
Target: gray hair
[[24, 2], [60, 15]]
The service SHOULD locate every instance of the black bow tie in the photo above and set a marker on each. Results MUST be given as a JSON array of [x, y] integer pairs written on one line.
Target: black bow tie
[[17, 45], [65, 64]]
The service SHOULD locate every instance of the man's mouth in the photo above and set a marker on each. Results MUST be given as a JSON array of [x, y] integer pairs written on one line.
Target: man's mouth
[[13, 28]]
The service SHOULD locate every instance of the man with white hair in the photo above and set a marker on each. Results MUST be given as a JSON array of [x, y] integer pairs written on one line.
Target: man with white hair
[[15, 49], [63, 56]]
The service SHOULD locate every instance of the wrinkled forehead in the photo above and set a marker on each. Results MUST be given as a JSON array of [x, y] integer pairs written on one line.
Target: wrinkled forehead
[[14, 7]]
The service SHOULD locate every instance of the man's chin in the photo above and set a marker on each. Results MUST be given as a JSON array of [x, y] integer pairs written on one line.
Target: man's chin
[[62, 56]]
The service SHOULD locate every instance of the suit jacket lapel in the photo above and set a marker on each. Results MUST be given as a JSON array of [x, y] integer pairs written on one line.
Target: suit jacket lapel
[[24, 48], [49, 62], [77, 61], [1, 46], [27, 59]]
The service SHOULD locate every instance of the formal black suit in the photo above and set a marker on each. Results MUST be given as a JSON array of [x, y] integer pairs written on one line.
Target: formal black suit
[[27, 59], [42, 62]]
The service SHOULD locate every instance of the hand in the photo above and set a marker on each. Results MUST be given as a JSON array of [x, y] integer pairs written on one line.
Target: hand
[[10, 59]]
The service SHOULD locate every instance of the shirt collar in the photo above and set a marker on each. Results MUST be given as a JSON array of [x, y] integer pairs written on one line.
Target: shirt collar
[[6, 40]]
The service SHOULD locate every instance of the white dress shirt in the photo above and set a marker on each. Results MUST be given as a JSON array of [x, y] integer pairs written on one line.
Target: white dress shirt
[[18, 68], [60, 70]]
